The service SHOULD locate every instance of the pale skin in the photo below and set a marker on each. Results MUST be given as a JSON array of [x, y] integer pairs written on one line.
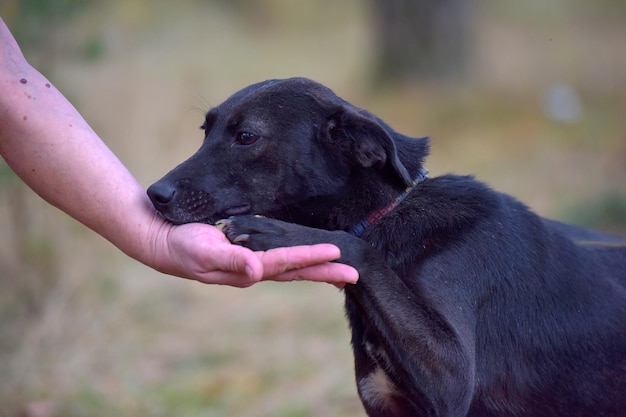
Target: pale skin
[[49, 145]]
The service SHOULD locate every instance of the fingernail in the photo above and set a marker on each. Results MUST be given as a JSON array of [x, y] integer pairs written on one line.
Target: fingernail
[[249, 272]]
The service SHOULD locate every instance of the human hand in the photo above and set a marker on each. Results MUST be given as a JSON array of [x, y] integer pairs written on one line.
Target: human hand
[[81, 176], [202, 252]]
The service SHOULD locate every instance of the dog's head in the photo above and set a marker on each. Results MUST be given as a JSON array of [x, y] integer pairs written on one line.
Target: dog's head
[[288, 149]]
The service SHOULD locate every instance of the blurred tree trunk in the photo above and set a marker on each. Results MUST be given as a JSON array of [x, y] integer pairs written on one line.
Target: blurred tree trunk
[[422, 39]]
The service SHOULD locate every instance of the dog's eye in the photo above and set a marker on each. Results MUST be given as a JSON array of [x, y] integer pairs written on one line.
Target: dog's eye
[[246, 138]]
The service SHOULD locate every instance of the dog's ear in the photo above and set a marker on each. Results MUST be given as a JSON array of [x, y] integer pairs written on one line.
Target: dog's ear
[[365, 140]]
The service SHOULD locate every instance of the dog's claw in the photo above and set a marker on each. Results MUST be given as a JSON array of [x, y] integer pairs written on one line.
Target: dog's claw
[[222, 224], [241, 238]]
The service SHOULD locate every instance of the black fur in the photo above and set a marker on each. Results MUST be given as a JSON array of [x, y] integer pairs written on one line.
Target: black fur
[[468, 304]]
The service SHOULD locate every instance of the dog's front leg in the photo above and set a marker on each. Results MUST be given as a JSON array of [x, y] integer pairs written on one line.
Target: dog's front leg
[[409, 358], [430, 368]]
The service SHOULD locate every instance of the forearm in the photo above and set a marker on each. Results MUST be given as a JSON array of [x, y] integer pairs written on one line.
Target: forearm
[[51, 148]]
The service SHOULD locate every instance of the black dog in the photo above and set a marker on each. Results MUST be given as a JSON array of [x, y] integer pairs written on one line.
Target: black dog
[[468, 304]]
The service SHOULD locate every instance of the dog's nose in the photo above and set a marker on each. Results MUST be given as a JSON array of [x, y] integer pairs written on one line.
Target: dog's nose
[[161, 194]]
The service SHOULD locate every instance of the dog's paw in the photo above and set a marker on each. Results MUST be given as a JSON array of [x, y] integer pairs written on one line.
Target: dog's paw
[[255, 232], [261, 233], [226, 226]]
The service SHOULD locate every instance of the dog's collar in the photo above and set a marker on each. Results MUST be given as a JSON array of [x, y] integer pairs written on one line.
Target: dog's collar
[[376, 215]]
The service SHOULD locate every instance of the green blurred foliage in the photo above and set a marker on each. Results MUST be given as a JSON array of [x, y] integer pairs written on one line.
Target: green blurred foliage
[[605, 211], [6, 175], [31, 20], [37, 25]]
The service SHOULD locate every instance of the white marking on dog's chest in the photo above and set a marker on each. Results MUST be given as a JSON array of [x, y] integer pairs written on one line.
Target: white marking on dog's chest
[[377, 390]]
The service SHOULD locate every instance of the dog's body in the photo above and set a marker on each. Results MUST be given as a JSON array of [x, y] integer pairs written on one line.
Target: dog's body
[[468, 304]]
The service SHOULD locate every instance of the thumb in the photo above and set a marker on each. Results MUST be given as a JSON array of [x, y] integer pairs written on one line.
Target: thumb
[[202, 252], [231, 258]]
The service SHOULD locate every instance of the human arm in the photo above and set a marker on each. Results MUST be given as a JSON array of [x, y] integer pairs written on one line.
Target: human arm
[[51, 148]]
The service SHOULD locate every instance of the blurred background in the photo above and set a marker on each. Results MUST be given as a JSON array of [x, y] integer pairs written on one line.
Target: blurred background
[[528, 96]]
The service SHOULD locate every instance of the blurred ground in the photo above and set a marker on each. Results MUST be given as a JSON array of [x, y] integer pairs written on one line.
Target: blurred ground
[[86, 331]]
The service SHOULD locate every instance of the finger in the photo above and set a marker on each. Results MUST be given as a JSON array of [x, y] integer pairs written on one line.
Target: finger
[[330, 272], [279, 260], [240, 260], [233, 279], [227, 264]]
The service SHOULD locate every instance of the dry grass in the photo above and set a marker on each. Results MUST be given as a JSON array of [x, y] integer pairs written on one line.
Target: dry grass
[[86, 331]]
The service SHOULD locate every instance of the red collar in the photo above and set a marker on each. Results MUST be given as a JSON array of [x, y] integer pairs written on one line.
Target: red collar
[[376, 215]]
